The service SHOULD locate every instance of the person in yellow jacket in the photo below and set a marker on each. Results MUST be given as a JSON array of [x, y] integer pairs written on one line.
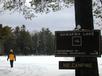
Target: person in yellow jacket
[[11, 57]]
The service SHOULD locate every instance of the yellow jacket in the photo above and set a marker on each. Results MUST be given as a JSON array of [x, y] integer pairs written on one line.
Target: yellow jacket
[[11, 56]]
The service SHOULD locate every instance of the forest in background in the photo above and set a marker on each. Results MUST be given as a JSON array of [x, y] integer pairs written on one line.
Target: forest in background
[[25, 43]]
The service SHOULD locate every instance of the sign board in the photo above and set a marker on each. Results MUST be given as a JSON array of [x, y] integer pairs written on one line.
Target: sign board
[[76, 65], [78, 43]]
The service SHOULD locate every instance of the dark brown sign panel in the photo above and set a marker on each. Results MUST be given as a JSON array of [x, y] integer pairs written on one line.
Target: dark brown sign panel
[[76, 65], [78, 43]]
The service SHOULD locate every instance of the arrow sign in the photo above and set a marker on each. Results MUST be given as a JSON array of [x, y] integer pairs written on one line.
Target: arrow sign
[[76, 65]]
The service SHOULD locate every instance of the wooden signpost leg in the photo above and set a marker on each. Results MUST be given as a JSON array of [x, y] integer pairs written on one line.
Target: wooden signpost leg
[[87, 72], [84, 18]]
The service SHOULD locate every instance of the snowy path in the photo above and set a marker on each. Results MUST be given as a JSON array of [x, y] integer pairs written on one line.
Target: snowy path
[[37, 66]]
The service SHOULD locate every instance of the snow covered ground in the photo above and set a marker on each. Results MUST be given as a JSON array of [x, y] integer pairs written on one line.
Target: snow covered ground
[[38, 66]]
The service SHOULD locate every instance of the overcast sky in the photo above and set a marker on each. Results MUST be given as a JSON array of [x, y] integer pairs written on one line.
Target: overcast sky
[[61, 20]]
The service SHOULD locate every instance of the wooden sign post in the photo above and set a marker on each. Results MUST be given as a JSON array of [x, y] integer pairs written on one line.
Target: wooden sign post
[[83, 44], [84, 18]]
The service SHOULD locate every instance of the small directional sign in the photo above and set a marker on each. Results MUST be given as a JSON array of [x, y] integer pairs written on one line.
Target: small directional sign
[[76, 65]]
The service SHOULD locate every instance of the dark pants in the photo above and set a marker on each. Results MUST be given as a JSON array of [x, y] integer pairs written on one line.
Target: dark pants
[[11, 63]]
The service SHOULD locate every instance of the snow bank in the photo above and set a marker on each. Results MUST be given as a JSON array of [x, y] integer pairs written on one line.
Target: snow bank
[[37, 66]]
